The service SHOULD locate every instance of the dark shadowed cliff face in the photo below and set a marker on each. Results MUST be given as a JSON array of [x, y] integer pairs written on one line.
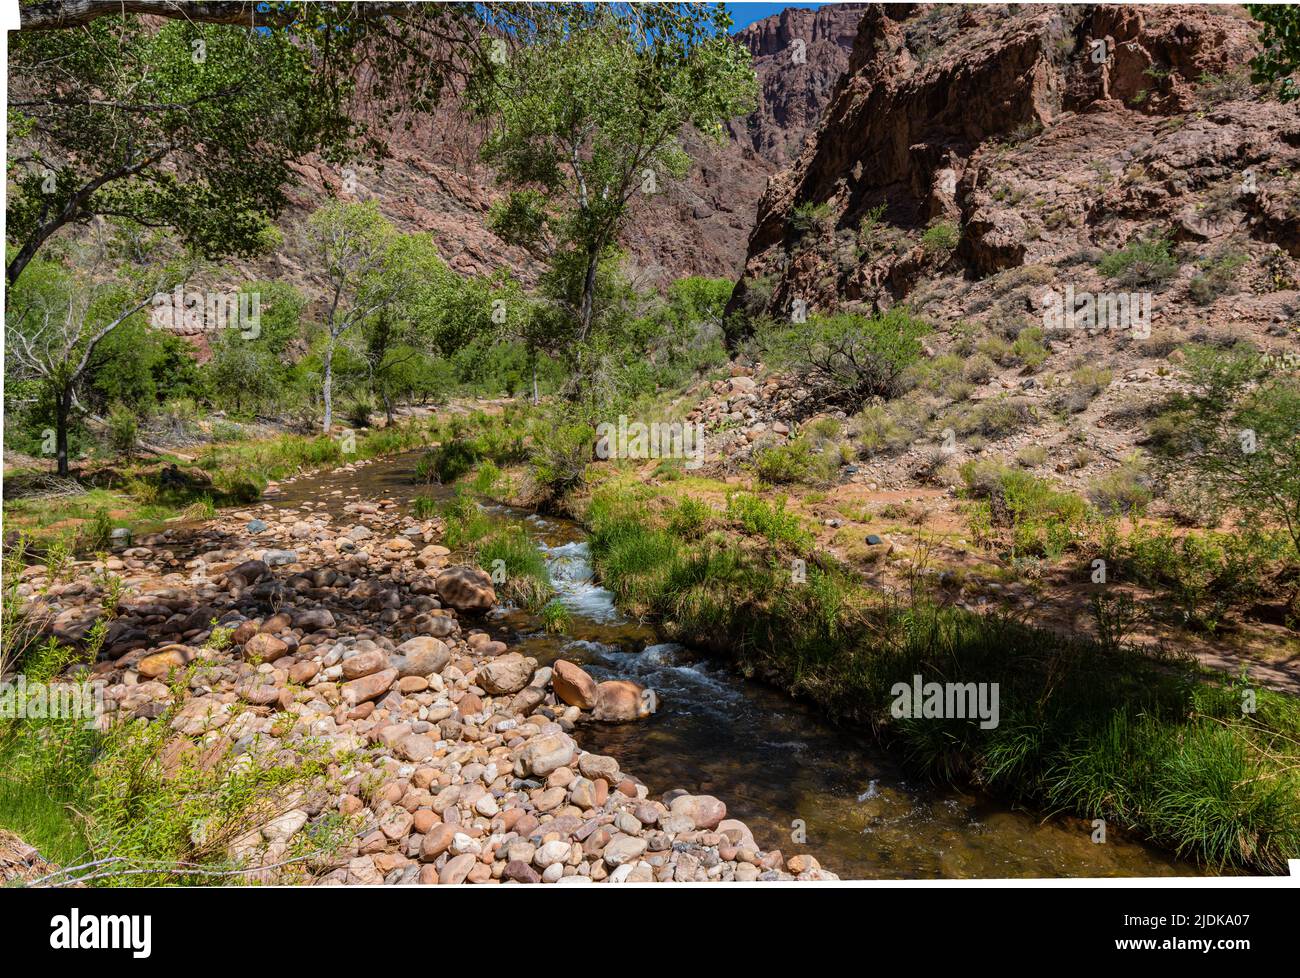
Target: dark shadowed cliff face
[[799, 56], [700, 226], [1031, 132]]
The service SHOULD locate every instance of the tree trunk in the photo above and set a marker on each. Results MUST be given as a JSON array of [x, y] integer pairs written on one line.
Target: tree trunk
[[586, 313], [536, 399], [328, 389], [63, 407]]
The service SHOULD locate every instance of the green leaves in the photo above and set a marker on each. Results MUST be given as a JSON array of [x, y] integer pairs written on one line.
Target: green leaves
[[185, 125], [1280, 59], [584, 114]]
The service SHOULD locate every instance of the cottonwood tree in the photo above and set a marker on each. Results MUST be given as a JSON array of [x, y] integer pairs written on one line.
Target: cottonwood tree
[[586, 112], [1238, 436], [191, 123], [62, 311], [372, 271]]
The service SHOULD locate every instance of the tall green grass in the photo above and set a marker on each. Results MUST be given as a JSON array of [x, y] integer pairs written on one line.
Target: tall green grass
[[521, 575], [1144, 740]]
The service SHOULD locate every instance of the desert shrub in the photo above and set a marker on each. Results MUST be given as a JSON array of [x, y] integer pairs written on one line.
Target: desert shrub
[[1028, 347], [1031, 456], [1125, 490], [1086, 383], [1226, 86], [1216, 277], [1146, 261], [809, 216], [998, 349], [979, 369], [941, 375], [996, 417], [879, 431], [940, 238], [848, 358]]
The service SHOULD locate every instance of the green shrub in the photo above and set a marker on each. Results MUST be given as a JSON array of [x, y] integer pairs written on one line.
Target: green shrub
[[1125, 490], [690, 519], [1216, 277], [1042, 520], [558, 460], [1144, 262], [813, 458], [940, 238], [847, 358], [768, 520], [1029, 349], [123, 430], [879, 431], [446, 463], [809, 216]]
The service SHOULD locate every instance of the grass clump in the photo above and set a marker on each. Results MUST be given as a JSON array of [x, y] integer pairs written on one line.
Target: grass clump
[[813, 458], [516, 565], [1144, 262], [768, 520]]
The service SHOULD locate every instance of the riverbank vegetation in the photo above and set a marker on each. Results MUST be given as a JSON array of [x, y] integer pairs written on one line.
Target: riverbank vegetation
[[138, 392], [1098, 728]]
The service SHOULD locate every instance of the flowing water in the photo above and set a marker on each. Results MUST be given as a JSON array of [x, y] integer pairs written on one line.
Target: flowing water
[[801, 784]]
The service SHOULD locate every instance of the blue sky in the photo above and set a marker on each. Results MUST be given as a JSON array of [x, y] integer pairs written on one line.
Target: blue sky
[[744, 14]]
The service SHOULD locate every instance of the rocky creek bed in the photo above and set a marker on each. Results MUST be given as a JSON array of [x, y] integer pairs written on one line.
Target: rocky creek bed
[[483, 758]]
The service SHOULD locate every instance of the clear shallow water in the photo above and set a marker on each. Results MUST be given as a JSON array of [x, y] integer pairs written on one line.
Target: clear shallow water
[[801, 784]]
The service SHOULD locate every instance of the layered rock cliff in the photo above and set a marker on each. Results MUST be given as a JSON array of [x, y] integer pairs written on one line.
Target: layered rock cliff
[[1028, 134]]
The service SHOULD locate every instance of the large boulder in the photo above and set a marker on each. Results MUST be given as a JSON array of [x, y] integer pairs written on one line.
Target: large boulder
[[572, 685], [705, 811], [420, 656], [467, 589], [368, 687], [543, 754], [314, 620], [249, 572], [621, 700], [160, 663], [264, 648], [506, 674], [364, 663]]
